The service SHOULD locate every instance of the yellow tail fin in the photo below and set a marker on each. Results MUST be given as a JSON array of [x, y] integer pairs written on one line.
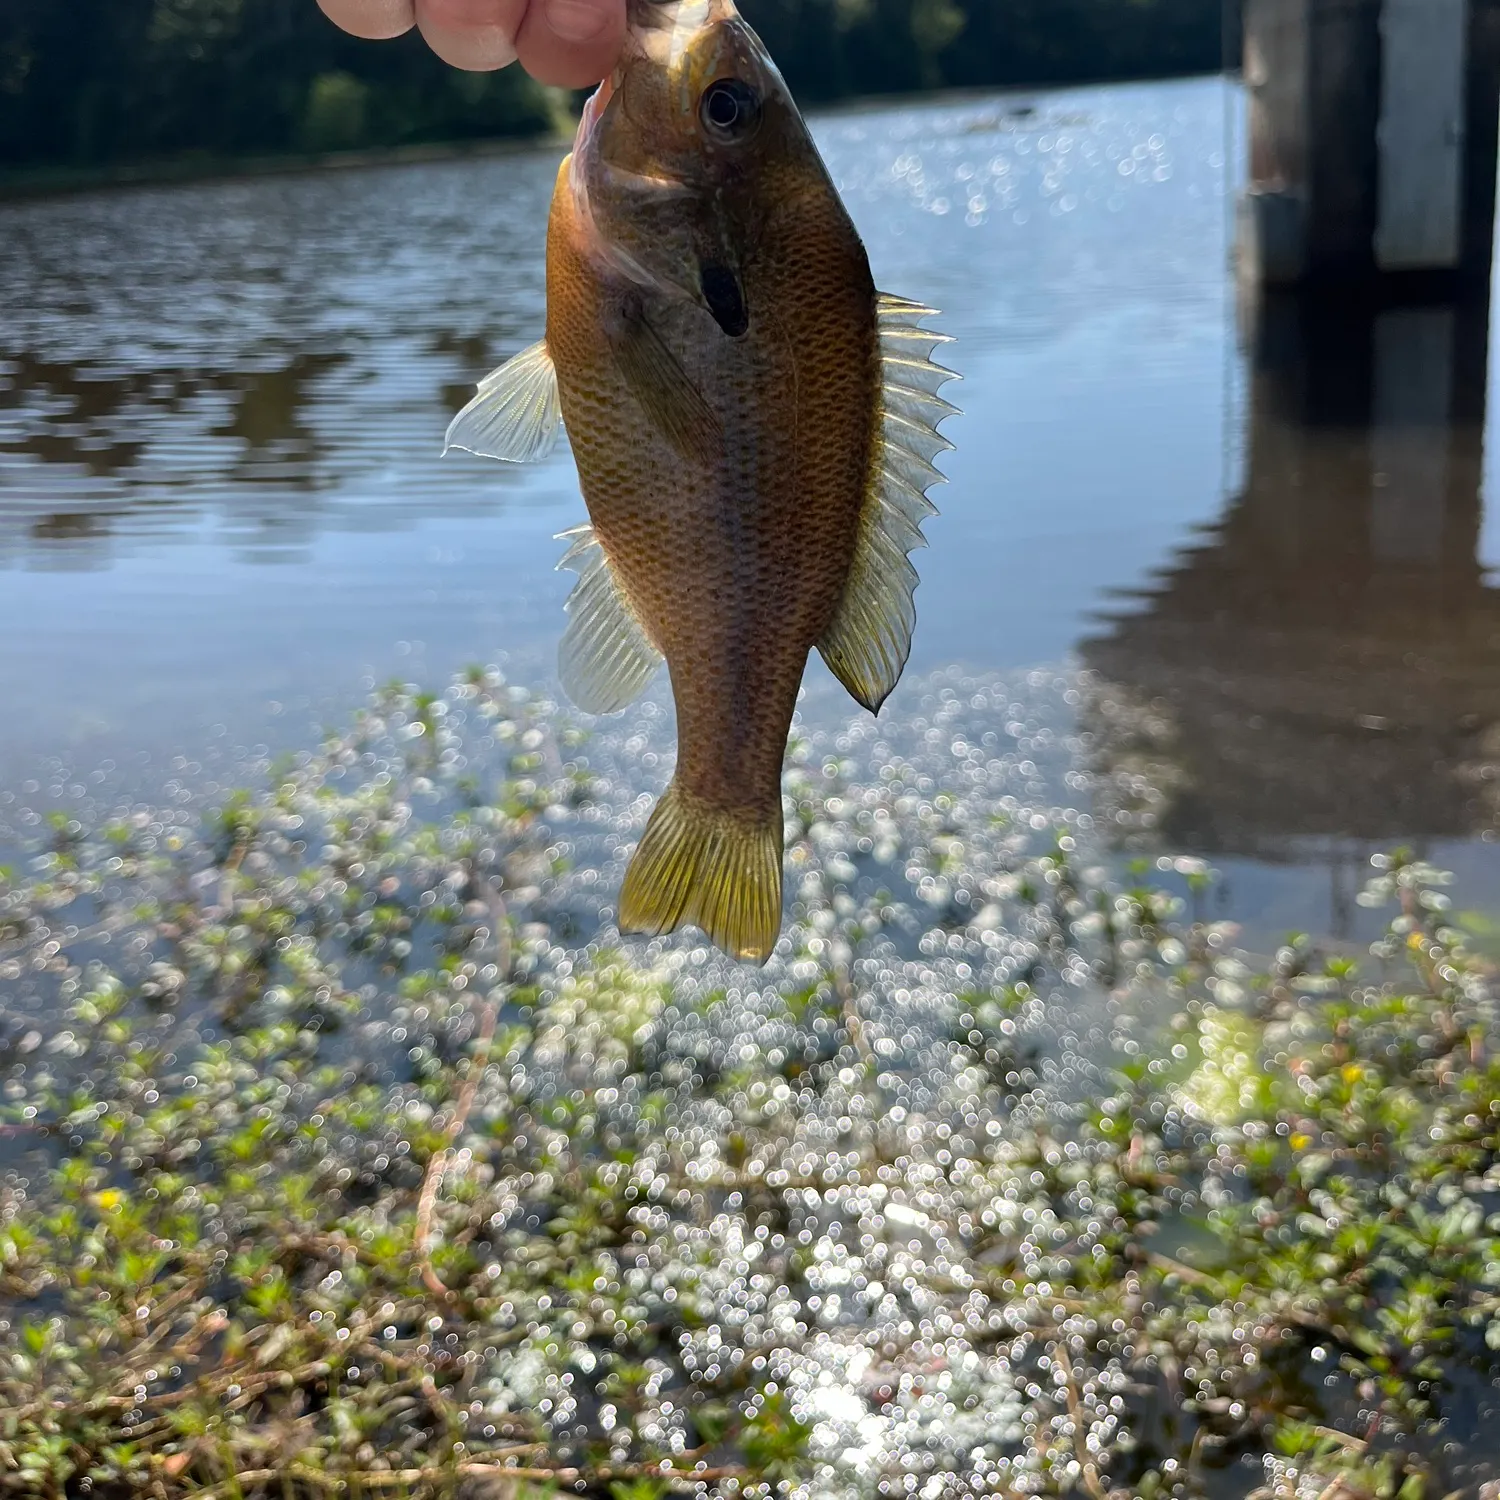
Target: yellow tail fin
[[716, 869]]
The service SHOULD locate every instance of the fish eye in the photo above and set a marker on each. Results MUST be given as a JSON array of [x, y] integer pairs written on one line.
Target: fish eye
[[730, 109]]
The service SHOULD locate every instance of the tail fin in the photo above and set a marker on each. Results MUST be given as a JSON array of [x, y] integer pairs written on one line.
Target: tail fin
[[716, 869]]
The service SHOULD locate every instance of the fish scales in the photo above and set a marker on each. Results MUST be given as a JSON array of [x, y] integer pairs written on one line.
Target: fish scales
[[753, 426], [734, 568]]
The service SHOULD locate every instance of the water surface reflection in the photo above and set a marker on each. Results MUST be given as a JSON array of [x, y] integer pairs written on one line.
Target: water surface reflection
[[222, 405], [1318, 673], [221, 504]]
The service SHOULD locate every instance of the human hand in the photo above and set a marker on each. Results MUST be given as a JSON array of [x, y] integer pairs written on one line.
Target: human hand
[[570, 43]]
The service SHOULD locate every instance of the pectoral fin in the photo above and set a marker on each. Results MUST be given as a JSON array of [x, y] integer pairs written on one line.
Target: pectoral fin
[[869, 640], [606, 658], [516, 414], [676, 406]]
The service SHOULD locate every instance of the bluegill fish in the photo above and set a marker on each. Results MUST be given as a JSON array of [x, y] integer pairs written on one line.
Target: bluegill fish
[[754, 427]]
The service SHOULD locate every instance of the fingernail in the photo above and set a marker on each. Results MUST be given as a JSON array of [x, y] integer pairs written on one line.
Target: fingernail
[[576, 20], [479, 49], [376, 19]]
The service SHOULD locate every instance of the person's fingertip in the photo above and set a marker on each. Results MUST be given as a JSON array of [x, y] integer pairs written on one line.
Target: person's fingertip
[[577, 20], [571, 43], [476, 49], [375, 20]]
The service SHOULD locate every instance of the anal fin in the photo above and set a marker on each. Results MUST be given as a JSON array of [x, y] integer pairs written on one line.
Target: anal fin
[[716, 869], [606, 659]]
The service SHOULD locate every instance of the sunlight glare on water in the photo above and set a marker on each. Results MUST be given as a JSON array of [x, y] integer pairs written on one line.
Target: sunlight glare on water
[[223, 515]]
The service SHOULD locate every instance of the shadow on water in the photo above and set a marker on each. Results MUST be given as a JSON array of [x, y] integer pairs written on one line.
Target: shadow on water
[[1316, 674], [104, 454], [258, 363], [88, 416]]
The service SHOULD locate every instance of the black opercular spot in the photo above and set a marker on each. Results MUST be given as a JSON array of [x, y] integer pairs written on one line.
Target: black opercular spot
[[730, 110], [726, 301]]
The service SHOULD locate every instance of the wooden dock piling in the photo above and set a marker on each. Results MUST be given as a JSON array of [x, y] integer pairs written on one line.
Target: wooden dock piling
[[1372, 139]]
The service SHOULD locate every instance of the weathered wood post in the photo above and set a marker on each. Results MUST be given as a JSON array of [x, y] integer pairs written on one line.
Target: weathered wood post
[[1372, 139]]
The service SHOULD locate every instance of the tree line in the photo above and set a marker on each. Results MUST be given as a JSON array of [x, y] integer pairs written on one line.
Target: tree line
[[88, 83]]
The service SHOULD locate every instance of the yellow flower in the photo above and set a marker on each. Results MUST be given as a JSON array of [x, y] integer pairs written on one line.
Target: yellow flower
[[1352, 1072], [1301, 1142], [109, 1200]]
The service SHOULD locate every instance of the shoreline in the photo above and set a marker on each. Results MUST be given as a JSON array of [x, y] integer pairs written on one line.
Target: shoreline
[[60, 182]]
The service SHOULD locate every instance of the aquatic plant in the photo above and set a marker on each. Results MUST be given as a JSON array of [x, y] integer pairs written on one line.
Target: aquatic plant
[[347, 1149]]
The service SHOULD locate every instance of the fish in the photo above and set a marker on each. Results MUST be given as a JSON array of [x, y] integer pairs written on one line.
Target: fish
[[754, 427]]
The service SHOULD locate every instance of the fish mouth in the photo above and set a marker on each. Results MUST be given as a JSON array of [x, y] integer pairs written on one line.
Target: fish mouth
[[653, 15], [663, 30], [661, 34], [593, 110]]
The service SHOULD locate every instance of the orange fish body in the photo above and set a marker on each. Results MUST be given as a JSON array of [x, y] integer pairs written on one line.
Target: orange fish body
[[753, 427]]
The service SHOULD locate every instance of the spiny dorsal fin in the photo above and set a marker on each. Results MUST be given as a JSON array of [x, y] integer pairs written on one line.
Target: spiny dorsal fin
[[605, 659], [869, 640], [516, 414], [716, 869]]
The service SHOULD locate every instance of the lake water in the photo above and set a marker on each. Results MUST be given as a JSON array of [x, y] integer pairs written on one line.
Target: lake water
[[1260, 531]]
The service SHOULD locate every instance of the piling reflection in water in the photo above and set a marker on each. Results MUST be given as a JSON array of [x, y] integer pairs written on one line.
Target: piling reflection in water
[[1320, 673]]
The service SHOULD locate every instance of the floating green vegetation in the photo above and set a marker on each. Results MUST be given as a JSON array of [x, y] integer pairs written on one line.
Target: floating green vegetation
[[346, 1150]]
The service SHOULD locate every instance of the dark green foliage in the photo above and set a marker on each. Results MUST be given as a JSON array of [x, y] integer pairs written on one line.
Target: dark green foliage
[[111, 81], [829, 48], [92, 83]]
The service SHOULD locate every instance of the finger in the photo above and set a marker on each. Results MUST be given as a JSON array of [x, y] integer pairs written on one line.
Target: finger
[[571, 43], [375, 19], [472, 34]]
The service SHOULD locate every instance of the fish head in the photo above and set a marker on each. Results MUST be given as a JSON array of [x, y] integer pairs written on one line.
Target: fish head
[[684, 152]]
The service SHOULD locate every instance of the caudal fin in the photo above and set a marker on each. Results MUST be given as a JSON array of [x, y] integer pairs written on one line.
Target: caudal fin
[[716, 869]]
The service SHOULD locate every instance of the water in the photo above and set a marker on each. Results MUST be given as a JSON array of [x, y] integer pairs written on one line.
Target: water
[[222, 508]]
